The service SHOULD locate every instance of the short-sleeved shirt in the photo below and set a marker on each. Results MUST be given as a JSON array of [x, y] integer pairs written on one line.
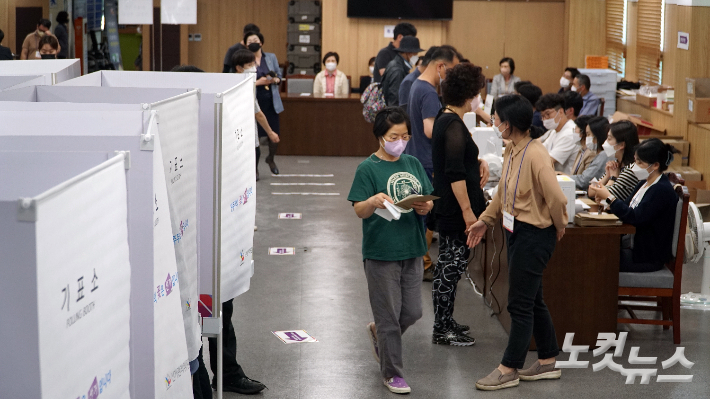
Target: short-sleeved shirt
[[383, 58], [625, 184], [399, 239], [406, 86], [31, 43], [562, 146], [423, 104]]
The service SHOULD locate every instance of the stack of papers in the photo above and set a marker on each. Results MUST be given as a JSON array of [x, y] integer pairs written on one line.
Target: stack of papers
[[596, 220]]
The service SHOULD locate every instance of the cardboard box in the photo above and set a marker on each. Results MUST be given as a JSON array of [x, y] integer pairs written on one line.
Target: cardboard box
[[693, 188], [644, 127], [698, 87], [648, 101], [702, 201], [683, 146], [687, 173], [699, 110]]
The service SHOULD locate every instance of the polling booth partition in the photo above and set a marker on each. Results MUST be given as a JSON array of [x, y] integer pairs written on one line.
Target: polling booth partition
[[162, 327], [226, 118], [52, 71], [66, 275], [16, 81]]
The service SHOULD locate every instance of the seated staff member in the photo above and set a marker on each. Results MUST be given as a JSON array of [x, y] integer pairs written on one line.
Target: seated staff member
[[560, 142], [244, 61], [457, 181], [573, 104], [651, 209], [596, 132], [331, 82], [366, 80], [584, 156], [392, 250], [534, 212], [504, 82], [532, 93], [620, 143], [567, 78]]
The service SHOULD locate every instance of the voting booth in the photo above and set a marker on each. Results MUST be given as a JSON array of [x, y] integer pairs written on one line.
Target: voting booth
[[66, 275], [17, 81], [51, 71], [226, 114], [163, 292]]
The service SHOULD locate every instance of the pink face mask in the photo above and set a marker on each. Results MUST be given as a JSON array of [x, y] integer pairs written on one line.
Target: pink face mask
[[476, 103], [394, 148]]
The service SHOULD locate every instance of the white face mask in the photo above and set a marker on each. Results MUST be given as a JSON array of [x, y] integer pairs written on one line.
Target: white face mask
[[251, 69], [564, 82], [640, 173], [589, 142], [550, 124], [330, 66], [372, 70], [498, 132], [475, 103], [573, 88], [414, 60], [609, 149], [440, 78]]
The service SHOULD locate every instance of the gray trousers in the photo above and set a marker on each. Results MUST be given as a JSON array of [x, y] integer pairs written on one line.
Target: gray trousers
[[396, 299]]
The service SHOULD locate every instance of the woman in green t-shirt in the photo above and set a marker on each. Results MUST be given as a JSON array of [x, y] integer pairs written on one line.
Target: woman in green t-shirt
[[392, 250]]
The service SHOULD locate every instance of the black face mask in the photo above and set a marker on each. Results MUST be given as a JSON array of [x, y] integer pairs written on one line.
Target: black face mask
[[254, 47], [48, 56]]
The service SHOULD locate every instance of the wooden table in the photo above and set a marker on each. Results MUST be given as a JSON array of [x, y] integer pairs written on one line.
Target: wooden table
[[325, 126], [580, 283]]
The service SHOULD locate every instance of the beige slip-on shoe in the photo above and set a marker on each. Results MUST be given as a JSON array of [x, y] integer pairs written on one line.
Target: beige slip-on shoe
[[497, 380], [540, 372]]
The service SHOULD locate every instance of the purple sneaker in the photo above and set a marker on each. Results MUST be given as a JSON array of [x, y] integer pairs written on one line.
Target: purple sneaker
[[373, 341], [397, 385]]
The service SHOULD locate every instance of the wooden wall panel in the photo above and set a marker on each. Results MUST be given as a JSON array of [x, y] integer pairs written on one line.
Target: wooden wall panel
[[586, 33], [7, 19], [670, 42], [537, 53], [220, 22], [483, 42], [699, 138]]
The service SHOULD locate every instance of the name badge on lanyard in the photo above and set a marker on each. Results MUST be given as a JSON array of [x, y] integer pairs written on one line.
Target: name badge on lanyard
[[508, 218], [508, 221]]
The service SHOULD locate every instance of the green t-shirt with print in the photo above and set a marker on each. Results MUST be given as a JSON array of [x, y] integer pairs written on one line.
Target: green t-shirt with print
[[399, 239]]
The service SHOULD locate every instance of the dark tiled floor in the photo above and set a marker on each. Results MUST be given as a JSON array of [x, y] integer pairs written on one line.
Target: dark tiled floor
[[322, 289]]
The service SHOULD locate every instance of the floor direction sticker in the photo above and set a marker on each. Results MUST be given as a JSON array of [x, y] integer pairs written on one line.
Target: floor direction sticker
[[290, 216], [294, 336], [282, 251]]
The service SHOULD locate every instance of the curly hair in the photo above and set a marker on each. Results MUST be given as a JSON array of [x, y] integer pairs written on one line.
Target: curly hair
[[463, 82]]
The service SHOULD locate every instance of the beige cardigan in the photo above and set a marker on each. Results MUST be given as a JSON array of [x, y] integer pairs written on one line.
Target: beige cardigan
[[342, 88]]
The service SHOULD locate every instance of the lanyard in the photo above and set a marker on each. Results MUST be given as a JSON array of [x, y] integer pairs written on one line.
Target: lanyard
[[510, 163], [581, 157]]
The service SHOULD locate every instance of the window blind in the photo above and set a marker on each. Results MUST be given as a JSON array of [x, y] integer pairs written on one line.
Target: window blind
[[615, 48], [648, 44]]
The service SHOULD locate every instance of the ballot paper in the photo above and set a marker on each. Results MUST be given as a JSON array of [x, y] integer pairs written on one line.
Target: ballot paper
[[581, 203], [391, 212], [294, 336]]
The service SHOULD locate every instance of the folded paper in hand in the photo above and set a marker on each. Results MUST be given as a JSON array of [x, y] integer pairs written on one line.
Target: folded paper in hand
[[391, 212]]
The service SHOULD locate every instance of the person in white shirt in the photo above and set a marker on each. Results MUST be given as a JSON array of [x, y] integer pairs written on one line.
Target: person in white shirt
[[561, 141]]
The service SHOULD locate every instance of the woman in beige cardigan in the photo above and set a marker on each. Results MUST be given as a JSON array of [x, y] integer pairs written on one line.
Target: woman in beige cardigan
[[331, 82]]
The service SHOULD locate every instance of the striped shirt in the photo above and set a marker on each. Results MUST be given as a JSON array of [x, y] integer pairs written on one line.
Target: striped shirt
[[624, 186]]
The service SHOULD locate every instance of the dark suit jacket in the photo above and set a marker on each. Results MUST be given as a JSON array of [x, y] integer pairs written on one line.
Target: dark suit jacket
[[5, 54], [654, 219]]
